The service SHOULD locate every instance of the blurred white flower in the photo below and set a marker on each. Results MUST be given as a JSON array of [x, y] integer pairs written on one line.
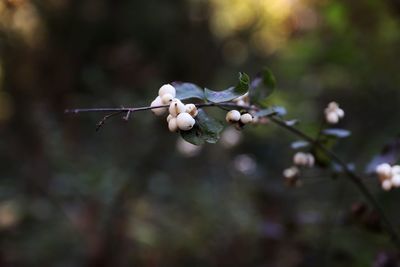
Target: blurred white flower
[[187, 149]]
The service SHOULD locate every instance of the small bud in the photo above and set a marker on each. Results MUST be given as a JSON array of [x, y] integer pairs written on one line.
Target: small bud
[[191, 109], [172, 125], [157, 111], [176, 107], [387, 185], [166, 98], [332, 117], [246, 118], [384, 171], [300, 159], [233, 116], [185, 121], [167, 89], [291, 172]]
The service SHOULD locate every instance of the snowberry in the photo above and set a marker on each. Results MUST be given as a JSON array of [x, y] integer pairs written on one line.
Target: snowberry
[[246, 118], [191, 109], [396, 170], [340, 112], [176, 107], [167, 89], [300, 159], [291, 172], [233, 116], [387, 185], [169, 117], [384, 171], [310, 160], [167, 98], [396, 180], [332, 117], [157, 102], [173, 125], [185, 121]]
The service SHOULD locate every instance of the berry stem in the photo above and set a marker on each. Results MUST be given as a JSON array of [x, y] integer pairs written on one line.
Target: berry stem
[[353, 177]]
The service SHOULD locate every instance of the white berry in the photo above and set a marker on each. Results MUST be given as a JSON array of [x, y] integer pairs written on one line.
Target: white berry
[[300, 159], [176, 107], [157, 102], [387, 185], [167, 98], [246, 118], [172, 125], [332, 117], [185, 121], [310, 160], [396, 180], [384, 171], [167, 89], [169, 117], [233, 116], [291, 172], [191, 109], [340, 112]]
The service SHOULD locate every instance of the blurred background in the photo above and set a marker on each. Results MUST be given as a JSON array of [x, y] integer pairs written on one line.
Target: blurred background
[[134, 194]]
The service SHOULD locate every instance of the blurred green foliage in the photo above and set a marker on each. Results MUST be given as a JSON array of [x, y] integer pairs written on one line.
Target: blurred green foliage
[[126, 196]]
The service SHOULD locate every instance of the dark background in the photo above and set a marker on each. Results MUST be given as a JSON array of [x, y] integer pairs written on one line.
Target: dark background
[[126, 196]]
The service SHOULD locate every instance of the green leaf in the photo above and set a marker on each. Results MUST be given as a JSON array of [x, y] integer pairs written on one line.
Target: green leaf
[[206, 130], [262, 87], [231, 93], [265, 112], [299, 144], [338, 133], [188, 91]]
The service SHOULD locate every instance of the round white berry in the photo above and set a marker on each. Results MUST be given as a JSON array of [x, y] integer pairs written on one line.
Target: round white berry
[[387, 185], [169, 117], [166, 98], [384, 171], [300, 159], [191, 109], [332, 117], [246, 118], [396, 180], [340, 112], [172, 125], [310, 160], [395, 169], [185, 121], [167, 89], [233, 116], [176, 107], [291, 172], [157, 102]]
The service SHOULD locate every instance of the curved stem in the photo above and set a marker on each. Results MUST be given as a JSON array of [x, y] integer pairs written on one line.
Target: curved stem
[[353, 177]]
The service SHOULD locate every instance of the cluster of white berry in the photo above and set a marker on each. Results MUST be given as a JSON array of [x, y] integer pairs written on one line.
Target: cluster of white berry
[[333, 113], [389, 176], [181, 116], [300, 159]]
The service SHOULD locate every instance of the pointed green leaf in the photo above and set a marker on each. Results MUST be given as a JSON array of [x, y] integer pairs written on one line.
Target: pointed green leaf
[[231, 93], [188, 91], [206, 129]]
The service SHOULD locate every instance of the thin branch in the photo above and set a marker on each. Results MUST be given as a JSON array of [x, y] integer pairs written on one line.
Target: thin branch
[[105, 118], [353, 177]]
